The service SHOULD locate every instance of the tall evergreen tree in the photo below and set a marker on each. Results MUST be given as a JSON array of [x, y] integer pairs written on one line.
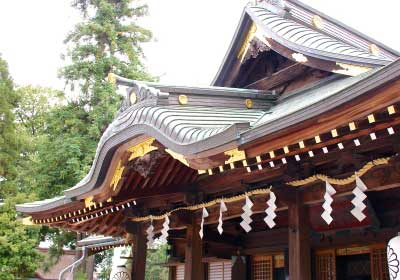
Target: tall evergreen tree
[[108, 40], [8, 138]]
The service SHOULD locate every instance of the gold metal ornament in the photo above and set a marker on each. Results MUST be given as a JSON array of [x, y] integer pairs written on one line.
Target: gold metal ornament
[[117, 176], [133, 98], [317, 21], [248, 103], [234, 155], [250, 35], [141, 149], [89, 202], [183, 99]]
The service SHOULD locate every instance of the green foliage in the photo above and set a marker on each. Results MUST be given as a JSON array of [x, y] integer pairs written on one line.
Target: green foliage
[[103, 262], [8, 138], [108, 40], [155, 257], [33, 106], [47, 142], [18, 256]]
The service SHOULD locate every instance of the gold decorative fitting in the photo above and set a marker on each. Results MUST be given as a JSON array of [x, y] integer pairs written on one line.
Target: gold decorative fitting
[[246, 42], [141, 149], [286, 149], [133, 98], [117, 176], [317, 21], [177, 156], [352, 126], [234, 155], [248, 103], [183, 99], [258, 158], [271, 154], [299, 57], [374, 49], [317, 139], [201, 172], [371, 118], [391, 110], [301, 144], [334, 133], [111, 78], [89, 202]]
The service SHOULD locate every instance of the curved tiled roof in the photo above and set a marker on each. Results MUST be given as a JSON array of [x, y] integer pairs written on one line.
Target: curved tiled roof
[[306, 40], [193, 129]]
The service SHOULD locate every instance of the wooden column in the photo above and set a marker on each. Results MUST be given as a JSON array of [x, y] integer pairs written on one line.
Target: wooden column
[[193, 252], [139, 250], [299, 240], [239, 268]]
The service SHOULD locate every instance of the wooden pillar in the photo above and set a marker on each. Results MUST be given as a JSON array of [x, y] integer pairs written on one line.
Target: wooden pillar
[[193, 252], [299, 240], [239, 268], [139, 250]]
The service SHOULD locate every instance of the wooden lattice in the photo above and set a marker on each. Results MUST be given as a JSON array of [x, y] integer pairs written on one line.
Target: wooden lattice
[[325, 265], [379, 266], [262, 268]]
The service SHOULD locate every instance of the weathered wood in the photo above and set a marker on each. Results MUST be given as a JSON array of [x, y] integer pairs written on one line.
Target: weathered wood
[[299, 240], [279, 77], [193, 252]]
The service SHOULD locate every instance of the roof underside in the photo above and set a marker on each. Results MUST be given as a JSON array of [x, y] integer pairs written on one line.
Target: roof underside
[[197, 131]]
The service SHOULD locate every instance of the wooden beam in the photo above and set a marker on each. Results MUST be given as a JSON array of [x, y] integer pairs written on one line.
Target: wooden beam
[[299, 240], [279, 77], [193, 252]]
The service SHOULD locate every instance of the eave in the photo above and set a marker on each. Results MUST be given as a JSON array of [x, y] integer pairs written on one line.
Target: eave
[[255, 136]]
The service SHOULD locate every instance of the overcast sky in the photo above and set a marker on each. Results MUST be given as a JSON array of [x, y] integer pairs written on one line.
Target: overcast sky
[[190, 36]]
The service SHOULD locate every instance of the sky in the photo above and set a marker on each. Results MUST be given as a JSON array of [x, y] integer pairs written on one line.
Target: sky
[[190, 36]]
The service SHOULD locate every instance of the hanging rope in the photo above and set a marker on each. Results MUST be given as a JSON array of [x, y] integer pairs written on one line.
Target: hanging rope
[[351, 179], [297, 183]]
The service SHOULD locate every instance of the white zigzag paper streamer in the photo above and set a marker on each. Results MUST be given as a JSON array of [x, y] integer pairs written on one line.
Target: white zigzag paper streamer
[[203, 216], [326, 215], [164, 231], [222, 209], [150, 235], [246, 216], [270, 211], [358, 200]]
